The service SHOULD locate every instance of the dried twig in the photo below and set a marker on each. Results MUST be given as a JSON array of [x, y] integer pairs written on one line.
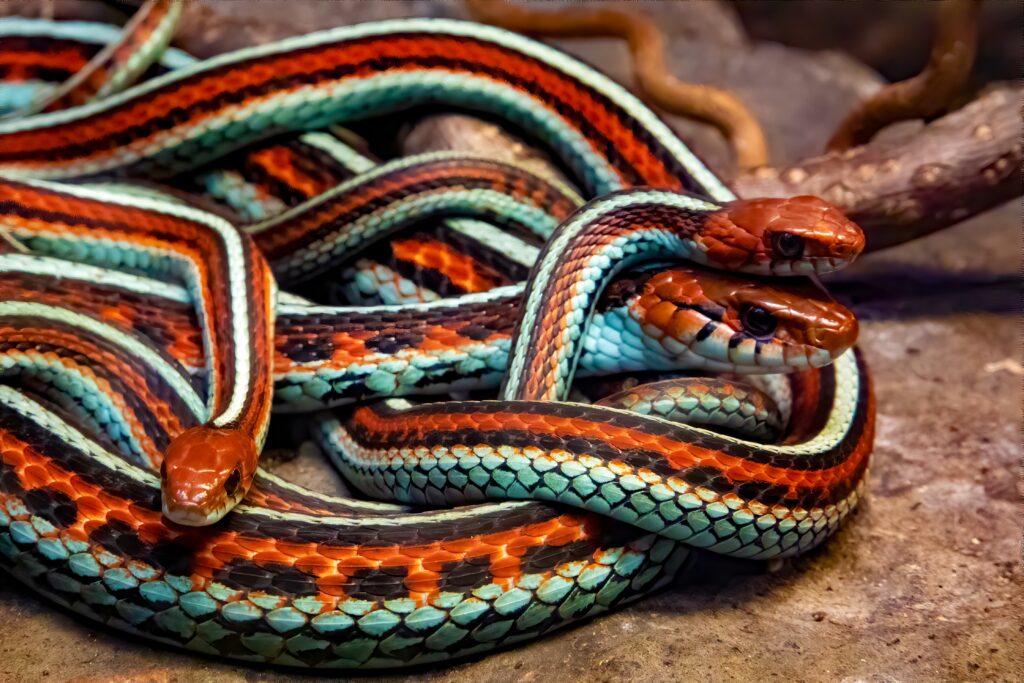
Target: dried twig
[[647, 45], [930, 92], [7, 236]]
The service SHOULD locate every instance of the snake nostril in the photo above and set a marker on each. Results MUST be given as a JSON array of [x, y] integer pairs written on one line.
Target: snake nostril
[[835, 337]]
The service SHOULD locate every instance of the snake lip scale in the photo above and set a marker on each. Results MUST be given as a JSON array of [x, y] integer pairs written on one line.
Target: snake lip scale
[[145, 341]]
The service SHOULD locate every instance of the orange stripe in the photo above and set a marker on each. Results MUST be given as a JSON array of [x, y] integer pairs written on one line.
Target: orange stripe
[[101, 358], [461, 270], [334, 566], [364, 57], [66, 59], [680, 455], [197, 244]]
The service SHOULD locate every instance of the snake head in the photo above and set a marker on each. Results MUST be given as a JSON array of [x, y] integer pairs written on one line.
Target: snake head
[[206, 472], [795, 236], [743, 324]]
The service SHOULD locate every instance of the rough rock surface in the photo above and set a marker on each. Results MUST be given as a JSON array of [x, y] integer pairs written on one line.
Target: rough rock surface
[[924, 583]]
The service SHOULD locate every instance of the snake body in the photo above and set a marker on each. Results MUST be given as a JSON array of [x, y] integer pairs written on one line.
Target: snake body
[[293, 577]]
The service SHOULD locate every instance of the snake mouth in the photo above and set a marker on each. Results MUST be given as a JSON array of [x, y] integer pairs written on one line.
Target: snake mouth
[[193, 516], [809, 266]]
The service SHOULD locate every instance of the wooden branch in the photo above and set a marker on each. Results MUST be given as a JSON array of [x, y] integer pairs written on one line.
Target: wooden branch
[[930, 92], [898, 189]]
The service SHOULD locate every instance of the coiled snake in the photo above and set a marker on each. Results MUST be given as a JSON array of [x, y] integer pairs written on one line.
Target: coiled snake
[[142, 334]]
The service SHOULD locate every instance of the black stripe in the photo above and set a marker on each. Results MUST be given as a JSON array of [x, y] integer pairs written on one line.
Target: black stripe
[[707, 330], [640, 458], [498, 315], [33, 211], [403, 183], [608, 148], [72, 459], [136, 406]]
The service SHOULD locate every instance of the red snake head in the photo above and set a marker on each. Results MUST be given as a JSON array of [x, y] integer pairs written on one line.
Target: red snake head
[[742, 323], [794, 236], [205, 472]]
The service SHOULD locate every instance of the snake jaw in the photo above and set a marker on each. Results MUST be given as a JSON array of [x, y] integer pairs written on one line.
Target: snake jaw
[[192, 517]]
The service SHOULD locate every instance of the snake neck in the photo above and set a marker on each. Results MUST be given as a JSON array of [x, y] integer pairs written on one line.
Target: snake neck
[[582, 257]]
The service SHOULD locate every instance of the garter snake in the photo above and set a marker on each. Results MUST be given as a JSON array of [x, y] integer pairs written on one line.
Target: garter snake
[[299, 578]]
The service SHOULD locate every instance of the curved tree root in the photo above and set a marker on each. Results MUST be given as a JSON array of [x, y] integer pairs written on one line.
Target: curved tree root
[[647, 45], [930, 92]]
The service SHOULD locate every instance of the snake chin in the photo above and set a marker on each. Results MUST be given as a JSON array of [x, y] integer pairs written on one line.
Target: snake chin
[[193, 517]]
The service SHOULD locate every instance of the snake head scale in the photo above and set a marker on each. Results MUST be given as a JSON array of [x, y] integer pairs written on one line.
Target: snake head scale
[[206, 471], [794, 236]]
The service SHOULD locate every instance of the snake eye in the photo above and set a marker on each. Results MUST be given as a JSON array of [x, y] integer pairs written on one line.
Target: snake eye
[[232, 482], [758, 322], [787, 245]]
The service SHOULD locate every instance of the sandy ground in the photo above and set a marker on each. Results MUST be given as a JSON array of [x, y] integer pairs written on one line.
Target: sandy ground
[[924, 583]]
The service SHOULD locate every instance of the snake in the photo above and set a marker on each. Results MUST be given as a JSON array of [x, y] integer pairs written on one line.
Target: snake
[[293, 577], [118, 64]]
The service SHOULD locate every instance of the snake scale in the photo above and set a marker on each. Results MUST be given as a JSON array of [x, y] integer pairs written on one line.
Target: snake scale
[[143, 343]]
